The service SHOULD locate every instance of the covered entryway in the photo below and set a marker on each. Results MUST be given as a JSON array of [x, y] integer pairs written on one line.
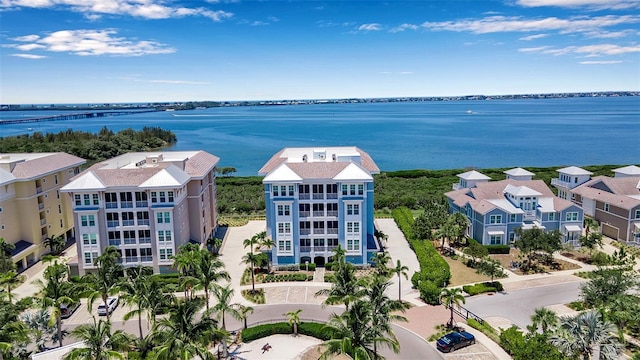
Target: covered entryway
[[319, 261], [610, 231]]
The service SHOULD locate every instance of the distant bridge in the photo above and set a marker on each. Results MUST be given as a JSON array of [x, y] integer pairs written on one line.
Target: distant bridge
[[75, 116]]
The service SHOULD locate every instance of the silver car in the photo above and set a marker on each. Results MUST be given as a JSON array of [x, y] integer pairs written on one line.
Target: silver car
[[112, 304]]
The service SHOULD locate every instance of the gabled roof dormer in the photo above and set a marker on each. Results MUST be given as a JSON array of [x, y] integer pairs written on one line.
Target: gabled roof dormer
[[627, 171], [519, 174]]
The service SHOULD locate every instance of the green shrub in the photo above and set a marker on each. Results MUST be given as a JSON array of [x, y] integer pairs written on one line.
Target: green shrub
[[329, 278], [256, 297], [328, 266], [316, 330], [600, 258], [429, 292], [485, 328], [264, 330], [498, 249], [482, 288], [312, 267]]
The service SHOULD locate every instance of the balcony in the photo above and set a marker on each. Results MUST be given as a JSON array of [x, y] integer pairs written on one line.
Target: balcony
[[304, 213], [142, 204], [143, 222], [318, 196], [131, 259], [145, 240], [332, 195], [332, 231], [306, 249], [129, 241], [318, 231], [128, 223], [318, 213], [38, 189], [146, 258], [43, 222], [304, 196], [457, 186], [111, 205], [332, 213], [113, 223], [305, 231], [529, 215], [126, 204], [114, 242], [563, 184], [332, 247]]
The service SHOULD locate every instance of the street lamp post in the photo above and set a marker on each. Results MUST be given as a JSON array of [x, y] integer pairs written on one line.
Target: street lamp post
[[306, 263]]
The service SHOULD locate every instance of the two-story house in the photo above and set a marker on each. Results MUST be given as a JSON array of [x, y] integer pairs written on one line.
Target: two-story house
[[613, 201], [495, 209], [31, 206], [317, 198], [144, 204]]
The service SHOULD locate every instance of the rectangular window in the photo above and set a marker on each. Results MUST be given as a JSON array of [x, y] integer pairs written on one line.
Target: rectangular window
[[356, 209], [161, 236], [143, 217], [170, 196], [353, 227], [512, 217], [88, 259], [552, 216], [606, 207], [77, 199], [284, 228], [96, 199], [114, 238], [128, 219], [280, 210], [93, 238], [92, 220], [637, 214], [83, 220], [495, 219], [345, 189], [166, 254], [111, 200], [144, 236], [276, 189], [352, 189], [113, 219], [58, 194], [572, 216], [167, 235], [284, 245], [353, 245], [495, 240], [163, 197], [85, 239], [360, 189], [145, 255], [154, 197], [87, 199], [59, 209], [167, 217], [349, 209], [129, 237], [55, 179]]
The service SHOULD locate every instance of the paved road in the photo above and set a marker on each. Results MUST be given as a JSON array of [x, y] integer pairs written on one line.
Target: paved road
[[518, 305]]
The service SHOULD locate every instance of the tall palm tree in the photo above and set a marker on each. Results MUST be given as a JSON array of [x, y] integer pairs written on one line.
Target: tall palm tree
[[380, 261], [590, 224], [450, 298], [12, 332], [209, 270], [185, 261], [544, 318], [135, 289], [460, 222], [8, 280], [183, 336], [269, 243], [224, 295], [6, 249], [254, 241], [215, 244], [384, 311], [244, 312], [100, 343], [55, 292], [345, 289], [106, 280], [252, 259], [449, 230], [587, 336], [294, 319], [400, 270]]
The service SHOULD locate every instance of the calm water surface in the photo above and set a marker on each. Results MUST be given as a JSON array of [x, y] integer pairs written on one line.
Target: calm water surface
[[426, 135]]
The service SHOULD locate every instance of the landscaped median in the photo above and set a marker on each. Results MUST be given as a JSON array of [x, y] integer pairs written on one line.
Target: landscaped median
[[312, 329]]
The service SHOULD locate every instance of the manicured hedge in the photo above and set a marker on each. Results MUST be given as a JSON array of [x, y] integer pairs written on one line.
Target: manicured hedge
[[498, 249], [482, 288], [434, 270], [312, 329], [287, 277]]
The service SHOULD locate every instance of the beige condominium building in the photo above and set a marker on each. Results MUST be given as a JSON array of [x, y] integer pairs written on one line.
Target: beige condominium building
[[144, 204], [32, 207]]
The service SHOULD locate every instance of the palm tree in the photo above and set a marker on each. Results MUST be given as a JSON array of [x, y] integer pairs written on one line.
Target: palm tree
[[134, 292], [255, 240], [380, 261], [56, 292], [544, 318], [6, 251], [100, 343], [294, 319], [8, 280], [449, 298], [587, 336], [182, 336], [590, 224], [42, 330], [400, 270], [215, 244], [269, 243], [54, 243], [12, 333], [244, 311], [491, 268], [253, 260], [106, 280], [185, 261], [383, 311], [346, 287], [449, 231], [209, 270], [460, 222], [224, 295]]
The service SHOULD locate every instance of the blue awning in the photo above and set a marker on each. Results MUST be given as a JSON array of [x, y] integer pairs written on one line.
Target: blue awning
[[21, 246]]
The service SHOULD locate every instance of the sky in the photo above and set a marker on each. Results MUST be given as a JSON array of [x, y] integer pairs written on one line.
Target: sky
[[124, 51]]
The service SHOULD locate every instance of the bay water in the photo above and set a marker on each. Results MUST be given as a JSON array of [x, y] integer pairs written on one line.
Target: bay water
[[398, 135]]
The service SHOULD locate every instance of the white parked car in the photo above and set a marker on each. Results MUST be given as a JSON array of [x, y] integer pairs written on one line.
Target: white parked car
[[112, 304]]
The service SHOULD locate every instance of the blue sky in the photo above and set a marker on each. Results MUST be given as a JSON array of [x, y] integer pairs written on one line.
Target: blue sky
[[94, 51]]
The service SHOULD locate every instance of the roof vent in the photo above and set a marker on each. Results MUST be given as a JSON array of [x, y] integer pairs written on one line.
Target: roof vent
[[333, 157], [304, 157]]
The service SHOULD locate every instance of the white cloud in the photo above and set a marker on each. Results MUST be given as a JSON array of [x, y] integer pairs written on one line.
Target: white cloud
[[495, 24], [610, 34], [370, 27], [404, 27], [29, 56], [590, 4], [602, 62], [92, 43], [259, 23], [533, 37], [26, 38], [178, 82], [147, 9], [588, 50]]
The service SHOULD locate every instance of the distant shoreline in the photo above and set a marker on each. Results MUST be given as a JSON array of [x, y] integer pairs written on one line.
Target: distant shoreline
[[192, 105]]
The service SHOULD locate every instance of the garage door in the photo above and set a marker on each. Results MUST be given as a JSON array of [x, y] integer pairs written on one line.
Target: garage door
[[610, 231]]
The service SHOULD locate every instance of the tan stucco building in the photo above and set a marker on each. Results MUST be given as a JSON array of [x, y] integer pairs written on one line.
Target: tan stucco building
[[32, 207], [144, 204]]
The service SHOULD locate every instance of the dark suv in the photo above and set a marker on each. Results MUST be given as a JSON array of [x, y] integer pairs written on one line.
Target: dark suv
[[454, 341]]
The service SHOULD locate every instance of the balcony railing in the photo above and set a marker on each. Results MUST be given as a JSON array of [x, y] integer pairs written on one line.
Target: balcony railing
[[318, 231], [142, 204], [131, 259], [564, 184], [332, 231], [332, 213], [145, 240], [304, 213], [457, 186], [332, 247], [128, 223], [39, 189], [126, 204], [305, 248], [305, 231], [318, 213], [318, 196], [143, 222], [146, 258], [43, 222], [114, 242], [113, 223], [529, 215], [40, 206], [129, 241], [332, 195], [305, 196], [111, 205]]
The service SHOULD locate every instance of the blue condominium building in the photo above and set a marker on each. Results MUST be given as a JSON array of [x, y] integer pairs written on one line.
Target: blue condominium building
[[317, 198]]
